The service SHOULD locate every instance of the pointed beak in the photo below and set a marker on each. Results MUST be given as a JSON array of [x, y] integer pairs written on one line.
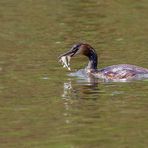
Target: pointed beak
[[68, 53]]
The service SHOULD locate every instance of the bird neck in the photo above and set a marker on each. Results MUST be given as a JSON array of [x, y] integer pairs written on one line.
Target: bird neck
[[93, 60]]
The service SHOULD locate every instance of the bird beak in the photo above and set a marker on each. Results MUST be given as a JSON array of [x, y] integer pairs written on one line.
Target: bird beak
[[68, 53]]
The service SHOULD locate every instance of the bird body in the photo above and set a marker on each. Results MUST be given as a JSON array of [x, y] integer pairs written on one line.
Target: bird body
[[110, 73]]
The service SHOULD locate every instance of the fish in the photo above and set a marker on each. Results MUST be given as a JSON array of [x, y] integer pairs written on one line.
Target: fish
[[65, 60]]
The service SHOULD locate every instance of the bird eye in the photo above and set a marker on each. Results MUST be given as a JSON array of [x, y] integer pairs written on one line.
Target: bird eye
[[76, 46]]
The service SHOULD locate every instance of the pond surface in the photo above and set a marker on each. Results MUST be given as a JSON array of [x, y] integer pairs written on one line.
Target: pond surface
[[40, 105]]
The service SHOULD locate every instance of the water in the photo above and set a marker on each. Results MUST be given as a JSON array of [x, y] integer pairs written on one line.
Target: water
[[40, 105]]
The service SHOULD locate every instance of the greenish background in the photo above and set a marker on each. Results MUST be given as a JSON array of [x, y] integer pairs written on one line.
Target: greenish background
[[40, 105]]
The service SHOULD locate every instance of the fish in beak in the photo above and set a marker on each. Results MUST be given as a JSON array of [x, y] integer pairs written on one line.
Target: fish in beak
[[66, 57], [65, 60]]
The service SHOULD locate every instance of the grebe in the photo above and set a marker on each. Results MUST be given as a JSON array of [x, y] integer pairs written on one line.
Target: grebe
[[115, 72]]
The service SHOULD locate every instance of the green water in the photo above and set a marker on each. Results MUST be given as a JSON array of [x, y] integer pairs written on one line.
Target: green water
[[42, 107]]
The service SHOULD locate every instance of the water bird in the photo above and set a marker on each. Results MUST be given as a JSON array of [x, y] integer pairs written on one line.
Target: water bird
[[120, 72]]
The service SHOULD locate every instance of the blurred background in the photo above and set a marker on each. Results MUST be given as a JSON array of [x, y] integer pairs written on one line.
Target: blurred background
[[40, 105]]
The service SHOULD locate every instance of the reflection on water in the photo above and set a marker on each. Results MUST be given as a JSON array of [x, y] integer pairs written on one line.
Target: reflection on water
[[93, 88], [40, 106], [72, 94], [102, 109], [66, 96], [89, 86], [83, 89], [67, 90]]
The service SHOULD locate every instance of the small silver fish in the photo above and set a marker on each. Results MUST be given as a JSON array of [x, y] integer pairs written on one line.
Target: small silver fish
[[65, 60]]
